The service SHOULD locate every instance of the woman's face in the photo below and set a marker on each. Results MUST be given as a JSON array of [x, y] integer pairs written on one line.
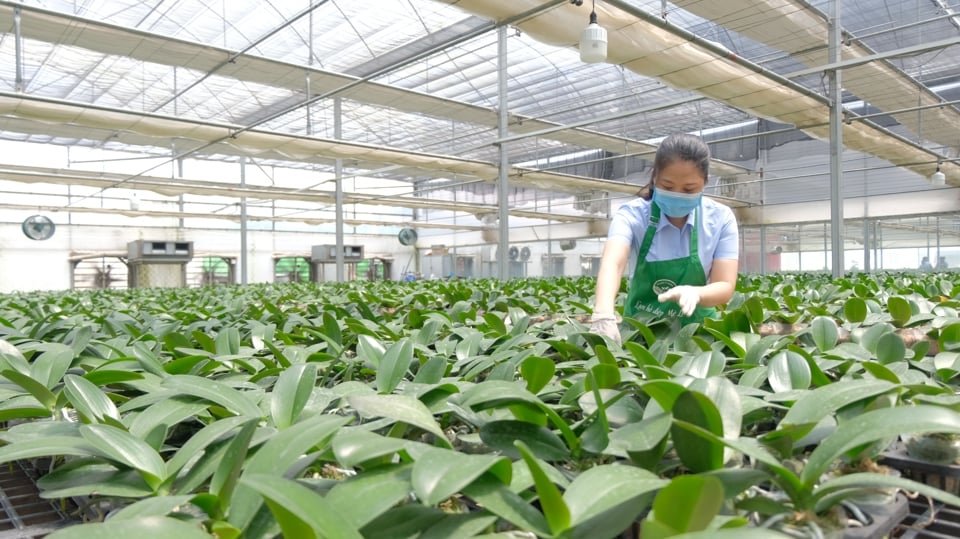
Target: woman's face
[[681, 176]]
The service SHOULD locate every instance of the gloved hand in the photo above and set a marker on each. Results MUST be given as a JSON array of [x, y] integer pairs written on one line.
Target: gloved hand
[[688, 297], [606, 325]]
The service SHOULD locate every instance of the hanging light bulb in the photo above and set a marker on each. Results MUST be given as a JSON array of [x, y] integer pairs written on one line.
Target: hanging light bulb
[[938, 178], [593, 40]]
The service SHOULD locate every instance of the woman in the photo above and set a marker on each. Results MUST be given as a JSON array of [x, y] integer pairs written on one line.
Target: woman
[[682, 248]]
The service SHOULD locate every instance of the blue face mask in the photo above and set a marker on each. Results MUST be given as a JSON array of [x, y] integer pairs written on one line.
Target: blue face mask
[[676, 204]]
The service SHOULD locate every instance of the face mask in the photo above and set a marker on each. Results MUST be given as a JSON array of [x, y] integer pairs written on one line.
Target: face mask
[[676, 204]]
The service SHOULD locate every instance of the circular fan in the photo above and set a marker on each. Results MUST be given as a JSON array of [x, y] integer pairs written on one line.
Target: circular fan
[[38, 227], [407, 236]]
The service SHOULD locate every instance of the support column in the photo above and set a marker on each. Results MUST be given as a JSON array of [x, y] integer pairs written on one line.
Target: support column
[[763, 249], [338, 172], [836, 142], [243, 222], [503, 208]]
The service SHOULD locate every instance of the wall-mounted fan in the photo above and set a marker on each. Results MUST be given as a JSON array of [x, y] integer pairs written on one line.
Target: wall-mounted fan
[[407, 236], [38, 227]]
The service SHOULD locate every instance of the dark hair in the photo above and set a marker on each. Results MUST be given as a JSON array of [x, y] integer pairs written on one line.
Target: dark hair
[[679, 147]]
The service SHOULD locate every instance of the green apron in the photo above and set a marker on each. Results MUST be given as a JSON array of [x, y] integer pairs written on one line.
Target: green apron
[[650, 279]]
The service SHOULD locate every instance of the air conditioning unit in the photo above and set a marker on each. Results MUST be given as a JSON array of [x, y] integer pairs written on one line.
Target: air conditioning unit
[[328, 253], [159, 251], [566, 245]]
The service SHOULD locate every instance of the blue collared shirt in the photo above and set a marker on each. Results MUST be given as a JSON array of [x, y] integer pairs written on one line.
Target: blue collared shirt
[[717, 235]]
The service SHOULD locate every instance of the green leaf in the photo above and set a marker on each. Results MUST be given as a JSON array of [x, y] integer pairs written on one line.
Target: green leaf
[[291, 393], [432, 371], [213, 391], [200, 440], [788, 370], [227, 342], [818, 403], [604, 487], [144, 528], [40, 392], [165, 413], [440, 473], [297, 508], [824, 332], [369, 349], [406, 521], [157, 506], [890, 348], [88, 399], [841, 487], [899, 309], [495, 323], [93, 477], [543, 443], [459, 525], [380, 489], [399, 408], [224, 479], [354, 446], [689, 503], [394, 365], [123, 447], [493, 496], [875, 425], [554, 507], [537, 371], [855, 310], [697, 453], [45, 447], [50, 366]]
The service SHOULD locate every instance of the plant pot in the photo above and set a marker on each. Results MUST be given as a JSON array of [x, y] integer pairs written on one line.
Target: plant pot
[[882, 519], [934, 448]]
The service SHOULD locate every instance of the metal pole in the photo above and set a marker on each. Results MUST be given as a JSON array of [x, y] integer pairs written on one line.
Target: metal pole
[[243, 222], [763, 249], [338, 195], [502, 132], [18, 50], [836, 143]]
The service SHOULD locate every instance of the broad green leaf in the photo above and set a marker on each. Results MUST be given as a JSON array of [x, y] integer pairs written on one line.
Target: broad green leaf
[[855, 310], [298, 508], [606, 486], [50, 366], [353, 446], [380, 489], [40, 392], [440, 473], [291, 393], [494, 323], [165, 414], [890, 348], [643, 435], [839, 488], [664, 392], [899, 309], [459, 525], [432, 371], [875, 425], [201, 440], [871, 337], [213, 391], [105, 377], [123, 447], [543, 443], [493, 496], [93, 477], [537, 371], [46, 447], [394, 365], [788, 370], [696, 453], [405, 521], [157, 506], [224, 480], [824, 332], [144, 528], [949, 338], [688, 504], [227, 342], [88, 399], [818, 403], [554, 507], [369, 349], [399, 408]]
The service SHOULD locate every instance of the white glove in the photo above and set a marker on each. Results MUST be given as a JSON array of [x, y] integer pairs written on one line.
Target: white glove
[[606, 325], [688, 297]]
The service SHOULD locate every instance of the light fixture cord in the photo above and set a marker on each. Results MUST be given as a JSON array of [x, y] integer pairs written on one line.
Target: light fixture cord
[[593, 13]]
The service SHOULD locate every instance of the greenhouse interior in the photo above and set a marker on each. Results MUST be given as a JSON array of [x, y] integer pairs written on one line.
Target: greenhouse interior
[[328, 268]]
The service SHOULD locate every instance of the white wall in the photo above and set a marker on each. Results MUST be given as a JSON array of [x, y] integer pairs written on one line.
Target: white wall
[[27, 265]]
